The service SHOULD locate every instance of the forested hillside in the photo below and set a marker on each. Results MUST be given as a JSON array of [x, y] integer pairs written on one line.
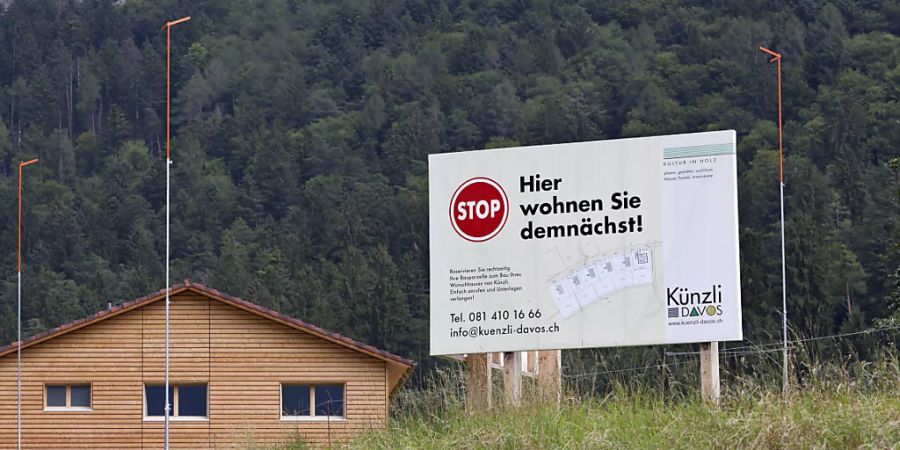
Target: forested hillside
[[301, 131]]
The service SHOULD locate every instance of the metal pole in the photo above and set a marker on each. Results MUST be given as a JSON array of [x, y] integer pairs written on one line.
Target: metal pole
[[168, 164], [784, 387], [19, 318], [168, 26], [19, 310], [785, 383], [776, 57], [19, 365]]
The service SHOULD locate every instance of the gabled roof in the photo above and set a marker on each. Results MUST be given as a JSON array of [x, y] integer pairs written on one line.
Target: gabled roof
[[224, 298]]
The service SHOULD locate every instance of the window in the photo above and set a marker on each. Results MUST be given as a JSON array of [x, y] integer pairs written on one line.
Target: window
[[155, 399], [192, 401], [67, 397], [295, 400], [188, 401], [310, 401], [80, 396], [329, 400], [56, 396]]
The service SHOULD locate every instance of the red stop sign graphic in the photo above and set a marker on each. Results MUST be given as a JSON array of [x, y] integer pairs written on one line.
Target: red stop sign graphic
[[478, 209]]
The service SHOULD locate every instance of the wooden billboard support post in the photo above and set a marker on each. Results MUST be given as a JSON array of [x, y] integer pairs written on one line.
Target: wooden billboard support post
[[550, 375], [709, 371], [512, 378], [478, 382]]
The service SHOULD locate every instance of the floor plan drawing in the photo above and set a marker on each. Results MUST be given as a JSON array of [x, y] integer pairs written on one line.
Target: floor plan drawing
[[601, 277]]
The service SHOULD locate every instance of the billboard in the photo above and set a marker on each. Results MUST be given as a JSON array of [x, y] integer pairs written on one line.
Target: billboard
[[589, 244]]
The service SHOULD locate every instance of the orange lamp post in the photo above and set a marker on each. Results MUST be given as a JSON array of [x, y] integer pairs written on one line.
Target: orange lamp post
[[168, 27], [776, 58], [22, 165]]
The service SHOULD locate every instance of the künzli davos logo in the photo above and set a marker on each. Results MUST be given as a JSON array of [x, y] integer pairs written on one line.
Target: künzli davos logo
[[479, 209], [684, 302]]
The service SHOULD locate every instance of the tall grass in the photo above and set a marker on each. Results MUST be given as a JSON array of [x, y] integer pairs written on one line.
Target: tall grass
[[841, 402], [837, 400], [814, 419]]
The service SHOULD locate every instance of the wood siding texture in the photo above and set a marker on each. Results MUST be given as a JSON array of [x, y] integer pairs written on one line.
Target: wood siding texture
[[243, 357]]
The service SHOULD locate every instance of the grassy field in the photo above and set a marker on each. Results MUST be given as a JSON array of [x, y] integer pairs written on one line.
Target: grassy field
[[836, 408], [813, 419]]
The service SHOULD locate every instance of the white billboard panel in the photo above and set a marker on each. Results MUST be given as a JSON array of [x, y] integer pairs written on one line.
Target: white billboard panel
[[590, 244]]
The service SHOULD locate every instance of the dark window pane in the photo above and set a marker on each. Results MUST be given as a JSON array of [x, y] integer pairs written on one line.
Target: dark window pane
[[294, 400], [192, 401], [81, 396], [329, 400], [56, 396], [156, 400]]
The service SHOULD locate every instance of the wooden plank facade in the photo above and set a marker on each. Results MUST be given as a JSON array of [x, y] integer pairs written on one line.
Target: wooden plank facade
[[241, 352]]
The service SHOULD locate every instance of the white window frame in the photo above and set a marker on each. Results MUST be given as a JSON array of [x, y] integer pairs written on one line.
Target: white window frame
[[312, 417], [69, 408], [174, 416]]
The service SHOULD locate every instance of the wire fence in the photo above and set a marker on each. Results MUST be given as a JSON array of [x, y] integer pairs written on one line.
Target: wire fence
[[763, 348], [634, 369], [693, 356]]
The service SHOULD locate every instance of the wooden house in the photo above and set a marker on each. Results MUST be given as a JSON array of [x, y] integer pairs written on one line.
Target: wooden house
[[240, 374]]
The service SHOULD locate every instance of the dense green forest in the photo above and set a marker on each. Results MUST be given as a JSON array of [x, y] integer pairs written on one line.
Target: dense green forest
[[301, 131]]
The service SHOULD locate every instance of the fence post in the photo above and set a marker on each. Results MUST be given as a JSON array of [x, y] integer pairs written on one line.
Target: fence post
[[478, 382], [549, 375], [512, 378], [709, 371]]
